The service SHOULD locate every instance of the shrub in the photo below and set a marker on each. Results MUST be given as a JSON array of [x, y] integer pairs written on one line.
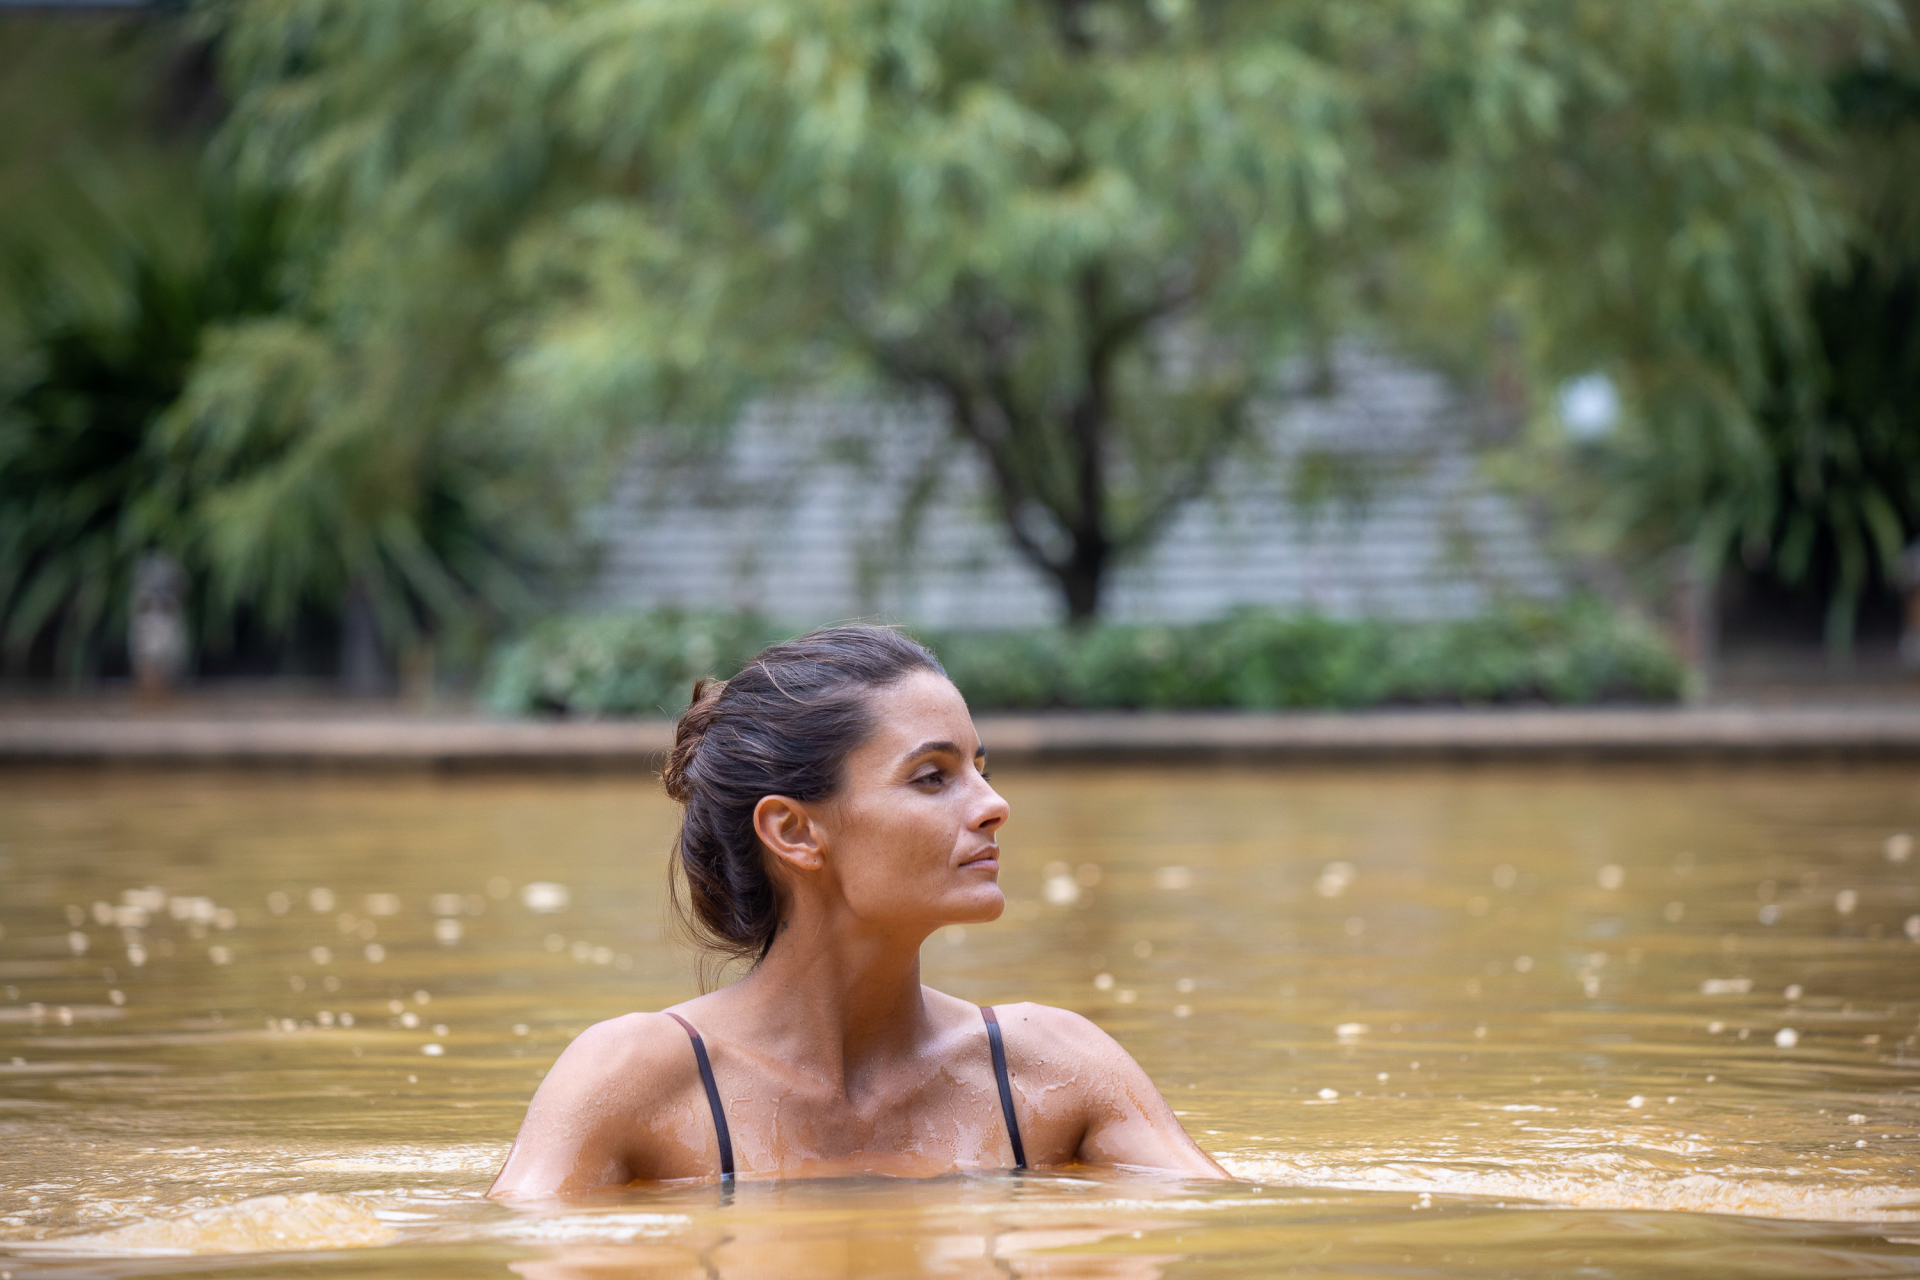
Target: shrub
[[621, 664], [1576, 652]]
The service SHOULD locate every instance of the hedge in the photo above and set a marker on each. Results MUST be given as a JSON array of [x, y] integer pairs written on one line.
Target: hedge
[[1581, 651]]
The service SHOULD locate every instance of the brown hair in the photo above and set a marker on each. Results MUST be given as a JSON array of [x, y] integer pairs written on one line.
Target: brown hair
[[783, 727]]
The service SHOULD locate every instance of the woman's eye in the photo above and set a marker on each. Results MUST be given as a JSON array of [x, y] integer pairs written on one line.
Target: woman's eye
[[935, 777]]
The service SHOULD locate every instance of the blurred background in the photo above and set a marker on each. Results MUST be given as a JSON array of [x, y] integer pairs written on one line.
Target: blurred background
[[540, 356]]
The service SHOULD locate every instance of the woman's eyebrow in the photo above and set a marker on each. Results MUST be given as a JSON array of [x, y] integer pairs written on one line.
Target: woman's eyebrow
[[939, 746]]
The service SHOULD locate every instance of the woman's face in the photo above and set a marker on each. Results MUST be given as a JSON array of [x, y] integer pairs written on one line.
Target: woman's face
[[910, 835]]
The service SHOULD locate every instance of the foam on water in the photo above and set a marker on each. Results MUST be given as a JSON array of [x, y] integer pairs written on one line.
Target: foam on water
[[264, 1224], [1749, 1196]]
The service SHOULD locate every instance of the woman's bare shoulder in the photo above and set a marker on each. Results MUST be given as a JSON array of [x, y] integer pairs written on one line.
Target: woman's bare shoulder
[[1036, 1033], [636, 1057]]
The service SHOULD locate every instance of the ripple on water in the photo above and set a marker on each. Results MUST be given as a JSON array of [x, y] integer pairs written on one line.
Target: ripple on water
[[1628, 1188], [264, 1224]]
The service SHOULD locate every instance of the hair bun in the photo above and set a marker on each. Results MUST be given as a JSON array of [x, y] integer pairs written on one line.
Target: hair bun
[[688, 733]]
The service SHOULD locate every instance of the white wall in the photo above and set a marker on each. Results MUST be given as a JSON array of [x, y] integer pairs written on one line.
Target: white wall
[[801, 516]]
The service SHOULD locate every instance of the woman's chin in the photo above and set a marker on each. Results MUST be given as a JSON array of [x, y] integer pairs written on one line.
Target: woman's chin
[[982, 906]]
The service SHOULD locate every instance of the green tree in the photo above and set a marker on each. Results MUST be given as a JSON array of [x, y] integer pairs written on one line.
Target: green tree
[[163, 385], [112, 262], [1089, 230], [1781, 432]]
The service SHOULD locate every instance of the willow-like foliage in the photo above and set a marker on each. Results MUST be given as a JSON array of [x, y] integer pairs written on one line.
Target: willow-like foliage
[[1781, 434], [1088, 229]]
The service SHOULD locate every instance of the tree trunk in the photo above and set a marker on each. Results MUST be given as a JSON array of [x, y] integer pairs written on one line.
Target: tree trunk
[[365, 670], [1083, 579]]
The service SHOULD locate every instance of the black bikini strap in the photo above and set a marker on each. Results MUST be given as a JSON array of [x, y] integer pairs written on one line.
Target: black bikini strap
[[1006, 1085], [720, 1116]]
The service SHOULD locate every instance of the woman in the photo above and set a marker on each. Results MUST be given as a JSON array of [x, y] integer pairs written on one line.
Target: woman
[[837, 812]]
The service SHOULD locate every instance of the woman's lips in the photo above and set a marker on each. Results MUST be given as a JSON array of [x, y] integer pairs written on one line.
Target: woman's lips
[[989, 854]]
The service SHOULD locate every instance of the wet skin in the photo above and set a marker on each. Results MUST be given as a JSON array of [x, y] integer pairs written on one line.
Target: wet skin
[[831, 1057]]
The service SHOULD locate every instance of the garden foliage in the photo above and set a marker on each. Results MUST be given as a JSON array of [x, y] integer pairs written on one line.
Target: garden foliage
[[1088, 228], [1580, 652], [1789, 446]]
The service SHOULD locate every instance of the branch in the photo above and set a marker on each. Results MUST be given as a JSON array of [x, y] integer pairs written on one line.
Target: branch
[[909, 368]]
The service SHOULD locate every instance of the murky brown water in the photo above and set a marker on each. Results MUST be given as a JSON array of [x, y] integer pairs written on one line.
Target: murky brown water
[[1476, 1022]]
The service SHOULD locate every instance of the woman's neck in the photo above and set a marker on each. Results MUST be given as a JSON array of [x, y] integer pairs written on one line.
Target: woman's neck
[[839, 1001]]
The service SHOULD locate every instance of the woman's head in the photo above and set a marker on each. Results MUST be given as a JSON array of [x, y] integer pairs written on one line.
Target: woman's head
[[845, 761]]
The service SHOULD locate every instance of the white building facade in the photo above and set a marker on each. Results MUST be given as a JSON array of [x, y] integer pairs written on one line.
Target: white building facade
[[1363, 502]]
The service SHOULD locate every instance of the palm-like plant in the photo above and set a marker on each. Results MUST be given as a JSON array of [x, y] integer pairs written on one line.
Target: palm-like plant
[[108, 302]]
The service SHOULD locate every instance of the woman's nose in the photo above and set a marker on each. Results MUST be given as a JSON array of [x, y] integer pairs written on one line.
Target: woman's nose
[[995, 812]]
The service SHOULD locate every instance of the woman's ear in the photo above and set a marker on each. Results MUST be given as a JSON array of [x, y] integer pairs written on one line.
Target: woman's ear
[[787, 831]]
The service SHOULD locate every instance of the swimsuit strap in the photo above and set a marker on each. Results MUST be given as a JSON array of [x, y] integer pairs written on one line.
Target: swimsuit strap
[[1006, 1086], [713, 1098]]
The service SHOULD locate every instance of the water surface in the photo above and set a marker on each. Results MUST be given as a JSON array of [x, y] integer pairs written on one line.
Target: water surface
[[1442, 1022]]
